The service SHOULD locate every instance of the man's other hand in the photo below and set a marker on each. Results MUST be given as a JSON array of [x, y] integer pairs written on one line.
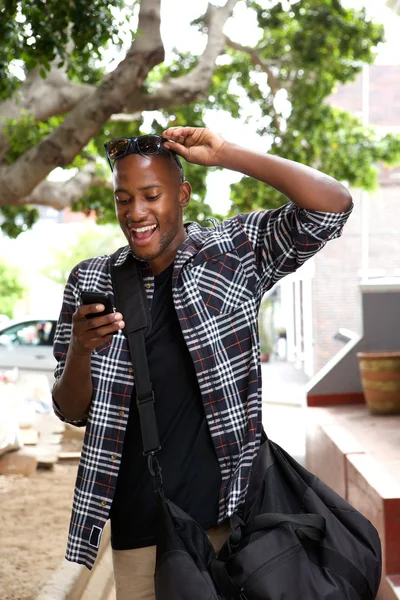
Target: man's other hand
[[196, 145]]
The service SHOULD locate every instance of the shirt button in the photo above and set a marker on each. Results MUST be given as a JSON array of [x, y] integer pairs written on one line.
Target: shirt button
[[130, 369], [103, 503], [113, 456], [121, 413], [148, 286]]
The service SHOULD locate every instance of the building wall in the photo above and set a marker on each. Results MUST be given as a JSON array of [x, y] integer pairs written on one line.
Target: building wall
[[335, 292], [384, 250], [384, 96], [336, 296], [336, 300]]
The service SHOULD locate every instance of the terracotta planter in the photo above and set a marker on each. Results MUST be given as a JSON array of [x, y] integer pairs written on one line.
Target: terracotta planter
[[264, 356], [380, 377]]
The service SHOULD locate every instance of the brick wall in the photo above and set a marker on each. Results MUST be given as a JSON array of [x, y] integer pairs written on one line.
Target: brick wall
[[335, 285], [385, 229], [335, 298], [384, 103]]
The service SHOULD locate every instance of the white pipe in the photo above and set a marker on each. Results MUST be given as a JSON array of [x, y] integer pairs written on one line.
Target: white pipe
[[297, 324], [288, 304], [365, 91], [308, 327]]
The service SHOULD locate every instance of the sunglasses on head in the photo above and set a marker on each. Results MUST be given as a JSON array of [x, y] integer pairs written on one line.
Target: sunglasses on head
[[146, 145]]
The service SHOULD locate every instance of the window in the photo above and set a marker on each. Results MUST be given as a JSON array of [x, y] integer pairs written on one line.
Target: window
[[30, 333]]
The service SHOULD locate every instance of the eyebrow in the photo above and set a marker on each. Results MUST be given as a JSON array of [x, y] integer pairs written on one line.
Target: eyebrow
[[141, 189]]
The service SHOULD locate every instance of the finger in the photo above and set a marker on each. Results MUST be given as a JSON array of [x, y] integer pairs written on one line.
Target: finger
[[178, 148], [94, 343], [95, 337], [178, 134], [97, 322], [87, 309], [107, 330], [178, 139]]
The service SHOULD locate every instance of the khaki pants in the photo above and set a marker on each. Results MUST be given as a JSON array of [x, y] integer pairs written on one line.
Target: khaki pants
[[134, 569]]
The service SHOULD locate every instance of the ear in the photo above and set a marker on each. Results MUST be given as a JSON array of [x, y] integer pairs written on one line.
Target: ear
[[184, 194]]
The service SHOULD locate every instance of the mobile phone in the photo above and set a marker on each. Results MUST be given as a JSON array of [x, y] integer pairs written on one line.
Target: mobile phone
[[97, 298]]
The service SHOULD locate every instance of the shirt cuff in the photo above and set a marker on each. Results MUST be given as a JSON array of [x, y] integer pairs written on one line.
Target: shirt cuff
[[322, 226], [59, 414]]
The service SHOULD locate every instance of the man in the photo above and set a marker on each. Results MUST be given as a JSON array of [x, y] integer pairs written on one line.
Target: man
[[204, 286]]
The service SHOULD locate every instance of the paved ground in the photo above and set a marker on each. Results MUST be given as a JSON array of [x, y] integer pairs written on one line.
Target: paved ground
[[283, 383], [284, 408]]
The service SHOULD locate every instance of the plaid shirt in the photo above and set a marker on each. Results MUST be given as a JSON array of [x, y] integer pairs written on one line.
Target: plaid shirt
[[219, 278]]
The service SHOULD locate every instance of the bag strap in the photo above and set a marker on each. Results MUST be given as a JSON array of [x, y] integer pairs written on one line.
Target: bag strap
[[131, 300], [312, 526]]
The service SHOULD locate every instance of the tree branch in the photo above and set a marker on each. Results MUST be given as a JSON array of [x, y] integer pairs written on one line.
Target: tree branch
[[19, 179], [44, 98], [266, 66], [194, 84], [19, 182], [60, 195], [126, 118]]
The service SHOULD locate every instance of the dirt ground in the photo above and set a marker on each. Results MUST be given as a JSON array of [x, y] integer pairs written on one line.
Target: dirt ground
[[34, 519]]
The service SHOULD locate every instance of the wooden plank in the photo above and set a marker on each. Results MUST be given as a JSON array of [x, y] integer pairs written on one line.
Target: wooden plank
[[18, 462], [29, 436], [69, 456], [50, 439], [45, 454]]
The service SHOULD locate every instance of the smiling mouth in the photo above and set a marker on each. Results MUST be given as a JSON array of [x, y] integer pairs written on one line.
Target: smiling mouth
[[141, 235]]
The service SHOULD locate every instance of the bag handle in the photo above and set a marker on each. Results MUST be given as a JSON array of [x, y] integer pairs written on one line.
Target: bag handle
[[131, 300], [310, 525]]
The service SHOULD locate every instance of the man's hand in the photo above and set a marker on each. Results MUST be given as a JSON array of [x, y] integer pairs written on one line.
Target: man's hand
[[195, 144], [87, 334]]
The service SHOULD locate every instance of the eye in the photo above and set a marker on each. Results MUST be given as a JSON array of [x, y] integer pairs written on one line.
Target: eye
[[122, 200], [150, 198]]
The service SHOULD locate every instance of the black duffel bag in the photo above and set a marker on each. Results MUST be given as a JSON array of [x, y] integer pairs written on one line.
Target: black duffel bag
[[296, 539]]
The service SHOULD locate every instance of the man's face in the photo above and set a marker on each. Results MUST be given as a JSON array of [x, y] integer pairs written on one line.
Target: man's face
[[149, 199]]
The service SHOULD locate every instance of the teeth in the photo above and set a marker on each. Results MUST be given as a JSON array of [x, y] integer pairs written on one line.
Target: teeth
[[143, 229]]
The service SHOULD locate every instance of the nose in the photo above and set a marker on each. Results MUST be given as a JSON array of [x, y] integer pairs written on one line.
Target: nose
[[137, 210]]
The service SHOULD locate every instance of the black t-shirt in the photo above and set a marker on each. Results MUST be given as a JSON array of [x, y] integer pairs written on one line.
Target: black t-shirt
[[191, 474]]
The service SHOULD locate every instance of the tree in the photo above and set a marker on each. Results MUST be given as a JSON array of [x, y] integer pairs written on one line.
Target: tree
[[11, 289], [70, 101], [90, 242]]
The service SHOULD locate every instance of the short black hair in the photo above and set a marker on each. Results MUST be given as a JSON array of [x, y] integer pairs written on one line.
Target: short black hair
[[173, 155]]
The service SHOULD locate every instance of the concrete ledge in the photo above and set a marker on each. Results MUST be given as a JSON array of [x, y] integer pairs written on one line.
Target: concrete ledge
[[389, 590], [377, 495], [327, 446], [393, 586], [335, 399], [357, 454], [67, 583], [75, 582]]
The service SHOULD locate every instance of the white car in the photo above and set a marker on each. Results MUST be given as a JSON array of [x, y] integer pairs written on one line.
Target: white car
[[28, 345]]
